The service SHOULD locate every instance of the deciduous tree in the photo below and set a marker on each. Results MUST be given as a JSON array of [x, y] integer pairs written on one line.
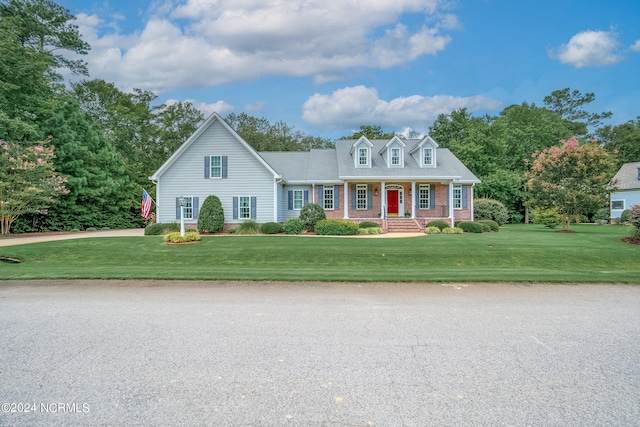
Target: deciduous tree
[[28, 181], [574, 178]]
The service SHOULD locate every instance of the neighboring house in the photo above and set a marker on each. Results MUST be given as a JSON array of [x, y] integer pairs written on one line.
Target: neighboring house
[[627, 192], [362, 180]]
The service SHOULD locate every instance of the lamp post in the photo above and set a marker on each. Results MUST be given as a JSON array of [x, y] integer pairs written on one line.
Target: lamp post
[[181, 201]]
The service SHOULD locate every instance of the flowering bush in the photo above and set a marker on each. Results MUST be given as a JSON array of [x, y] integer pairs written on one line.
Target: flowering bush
[[28, 181], [634, 219]]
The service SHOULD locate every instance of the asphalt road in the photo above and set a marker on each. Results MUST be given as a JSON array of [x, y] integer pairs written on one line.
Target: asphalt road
[[318, 354]]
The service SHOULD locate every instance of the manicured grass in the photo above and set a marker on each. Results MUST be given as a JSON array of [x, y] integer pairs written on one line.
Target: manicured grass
[[518, 253]]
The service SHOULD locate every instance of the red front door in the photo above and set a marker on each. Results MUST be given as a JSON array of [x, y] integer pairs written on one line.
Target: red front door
[[392, 202]]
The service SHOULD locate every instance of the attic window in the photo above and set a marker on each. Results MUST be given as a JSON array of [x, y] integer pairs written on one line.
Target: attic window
[[363, 156], [395, 156], [427, 156]]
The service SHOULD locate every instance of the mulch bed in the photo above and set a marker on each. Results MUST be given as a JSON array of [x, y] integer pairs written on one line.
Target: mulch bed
[[633, 240]]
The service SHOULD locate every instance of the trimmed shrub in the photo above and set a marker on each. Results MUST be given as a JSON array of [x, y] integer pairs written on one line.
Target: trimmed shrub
[[490, 209], [271, 228], [293, 226], [369, 224], [441, 224], [433, 230], [601, 216], [211, 216], [493, 226], [175, 237], [157, 229], [450, 230], [336, 227], [370, 230], [248, 227], [625, 216], [310, 214], [470, 227], [485, 227], [550, 218]]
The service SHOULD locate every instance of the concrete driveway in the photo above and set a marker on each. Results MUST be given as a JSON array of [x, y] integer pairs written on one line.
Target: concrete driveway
[[318, 354]]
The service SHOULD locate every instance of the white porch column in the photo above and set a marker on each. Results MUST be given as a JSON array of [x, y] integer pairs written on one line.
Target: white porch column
[[470, 196], [346, 200], [383, 200], [413, 198], [451, 203], [275, 200]]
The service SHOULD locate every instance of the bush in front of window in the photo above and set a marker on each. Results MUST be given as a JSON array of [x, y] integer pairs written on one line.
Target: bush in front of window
[[271, 228], [249, 226], [470, 227], [310, 214], [625, 216], [294, 226], [157, 229], [211, 217], [491, 225], [490, 209], [336, 227], [441, 224], [368, 224]]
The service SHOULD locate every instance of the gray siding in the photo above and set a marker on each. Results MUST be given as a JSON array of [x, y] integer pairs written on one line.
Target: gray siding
[[284, 205], [246, 176]]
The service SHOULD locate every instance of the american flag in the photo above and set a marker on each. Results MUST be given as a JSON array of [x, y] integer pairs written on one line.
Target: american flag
[[146, 203]]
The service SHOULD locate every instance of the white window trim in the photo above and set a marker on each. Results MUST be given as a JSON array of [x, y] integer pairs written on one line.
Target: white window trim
[[301, 192], [188, 217], [390, 156], [428, 187], [454, 188], [367, 161], [618, 200], [240, 217], [324, 197], [358, 199], [217, 167], [423, 156]]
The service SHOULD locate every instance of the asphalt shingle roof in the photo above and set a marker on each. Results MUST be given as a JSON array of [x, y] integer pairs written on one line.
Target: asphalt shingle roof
[[628, 176]]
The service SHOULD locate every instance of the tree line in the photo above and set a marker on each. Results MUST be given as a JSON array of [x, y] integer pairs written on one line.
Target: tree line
[[105, 142]]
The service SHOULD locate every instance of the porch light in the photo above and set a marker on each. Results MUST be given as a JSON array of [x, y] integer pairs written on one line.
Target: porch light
[[375, 191]]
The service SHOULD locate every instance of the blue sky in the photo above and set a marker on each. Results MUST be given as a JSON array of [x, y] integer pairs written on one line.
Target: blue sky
[[329, 66]]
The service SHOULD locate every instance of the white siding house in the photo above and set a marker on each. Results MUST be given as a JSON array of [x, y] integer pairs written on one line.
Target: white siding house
[[385, 181]]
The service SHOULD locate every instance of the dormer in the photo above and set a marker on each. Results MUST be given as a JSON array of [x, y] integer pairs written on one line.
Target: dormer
[[361, 153], [425, 152], [393, 153]]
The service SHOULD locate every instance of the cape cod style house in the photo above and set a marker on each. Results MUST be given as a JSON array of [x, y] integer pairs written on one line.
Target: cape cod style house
[[627, 192], [400, 183]]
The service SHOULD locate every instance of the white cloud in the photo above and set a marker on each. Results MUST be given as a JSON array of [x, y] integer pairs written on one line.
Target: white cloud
[[636, 46], [256, 106], [209, 42], [355, 106], [219, 107], [589, 49]]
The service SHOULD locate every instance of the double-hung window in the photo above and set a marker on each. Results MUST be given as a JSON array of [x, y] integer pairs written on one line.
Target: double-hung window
[[427, 156], [298, 198], [423, 196], [216, 167], [188, 208], [457, 196], [395, 156], [361, 196], [363, 156], [617, 204], [328, 197], [244, 207]]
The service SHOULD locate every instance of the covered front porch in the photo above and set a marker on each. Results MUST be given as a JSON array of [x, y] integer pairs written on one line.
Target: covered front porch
[[389, 202]]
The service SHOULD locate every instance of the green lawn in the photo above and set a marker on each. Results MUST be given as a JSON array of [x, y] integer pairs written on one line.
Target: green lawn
[[518, 253]]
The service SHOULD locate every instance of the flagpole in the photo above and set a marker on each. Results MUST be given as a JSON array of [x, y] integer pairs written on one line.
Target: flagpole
[[149, 195]]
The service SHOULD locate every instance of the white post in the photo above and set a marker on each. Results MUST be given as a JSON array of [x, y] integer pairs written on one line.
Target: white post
[[181, 216], [413, 198], [451, 203], [346, 198]]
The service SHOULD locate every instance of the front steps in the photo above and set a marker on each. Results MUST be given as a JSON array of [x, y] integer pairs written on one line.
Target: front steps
[[403, 225]]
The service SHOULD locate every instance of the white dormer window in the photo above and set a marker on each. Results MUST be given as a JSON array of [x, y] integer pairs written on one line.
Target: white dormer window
[[395, 156], [363, 156], [427, 156]]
